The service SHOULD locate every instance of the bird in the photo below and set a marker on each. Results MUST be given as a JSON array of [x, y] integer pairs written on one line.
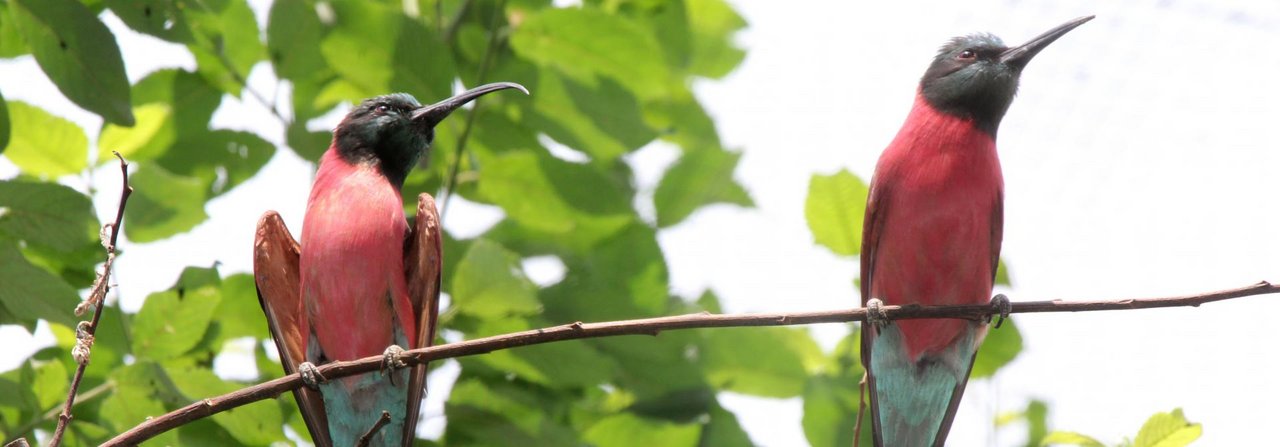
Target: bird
[[361, 281], [932, 232]]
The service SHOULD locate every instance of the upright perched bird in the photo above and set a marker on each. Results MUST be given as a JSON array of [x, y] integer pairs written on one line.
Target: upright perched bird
[[932, 231], [362, 282]]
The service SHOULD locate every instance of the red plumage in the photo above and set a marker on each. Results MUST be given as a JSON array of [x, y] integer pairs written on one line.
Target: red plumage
[[935, 222], [352, 263]]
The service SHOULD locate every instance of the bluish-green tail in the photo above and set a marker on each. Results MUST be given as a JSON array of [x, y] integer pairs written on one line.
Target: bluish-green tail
[[913, 403]]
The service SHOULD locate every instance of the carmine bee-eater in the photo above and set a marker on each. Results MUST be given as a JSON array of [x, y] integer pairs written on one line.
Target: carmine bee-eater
[[362, 282], [931, 235]]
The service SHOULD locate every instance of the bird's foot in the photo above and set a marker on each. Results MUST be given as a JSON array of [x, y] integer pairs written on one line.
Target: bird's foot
[[391, 361], [1001, 305], [875, 314], [311, 376]]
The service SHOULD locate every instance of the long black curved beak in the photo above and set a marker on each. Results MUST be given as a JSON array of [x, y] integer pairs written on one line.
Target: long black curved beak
[[430, 115], [1019, 56]]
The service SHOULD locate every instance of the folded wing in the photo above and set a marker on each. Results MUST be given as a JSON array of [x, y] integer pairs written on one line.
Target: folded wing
[[275, 270]]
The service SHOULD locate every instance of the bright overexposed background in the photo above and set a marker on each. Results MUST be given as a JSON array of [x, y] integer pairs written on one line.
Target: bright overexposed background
[[1141, 158]]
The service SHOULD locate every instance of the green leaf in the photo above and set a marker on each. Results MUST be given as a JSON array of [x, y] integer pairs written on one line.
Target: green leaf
[[699, 178], [655, 367], [169, 104], [1037, 415], [556, 365], [1167, 430], [47, 214], [51, 382], [130, 141], [307, 144], [170, 323], [1002, 274], [489, 283], [259, 423], [421, 63], [4, 116], [626, 430], [552, 195], [361, 58], [191, 99], [628, 267], [141, 391], [222, 158], [1070, 438], [226, 44], [293, 39], [238, 313], [45, 145], [1000, 347], [11, 42], [516, 405], [15, 385], [160, 18], [163, 203], [834, 210], [830, 411], [724, 430], [31, 292], [683, 121], [585, 43], [713, 24], [846, 359], [78, 53], [602, 120], [504, 414], [770, 361]]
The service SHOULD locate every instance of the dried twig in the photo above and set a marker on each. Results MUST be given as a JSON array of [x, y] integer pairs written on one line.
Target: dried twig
[[377, 425], [646, 326], [86, 329]]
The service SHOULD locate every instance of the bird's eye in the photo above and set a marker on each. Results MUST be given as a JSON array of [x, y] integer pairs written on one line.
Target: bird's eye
[[968, 54], [382, 109]]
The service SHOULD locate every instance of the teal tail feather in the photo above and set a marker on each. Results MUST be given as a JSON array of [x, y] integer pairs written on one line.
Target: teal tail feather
[[355, 403], [913, 403]]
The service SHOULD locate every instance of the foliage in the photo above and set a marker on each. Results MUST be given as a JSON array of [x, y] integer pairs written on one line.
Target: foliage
[[1161, 430], [608, 78]]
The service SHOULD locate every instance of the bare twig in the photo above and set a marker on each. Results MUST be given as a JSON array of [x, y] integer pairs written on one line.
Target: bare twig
[[647, 326], [97, 296], [55, 411], [451, 182], [367, 436]]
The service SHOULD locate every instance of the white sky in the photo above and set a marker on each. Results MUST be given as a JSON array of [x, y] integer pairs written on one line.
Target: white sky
[[1140, 159]]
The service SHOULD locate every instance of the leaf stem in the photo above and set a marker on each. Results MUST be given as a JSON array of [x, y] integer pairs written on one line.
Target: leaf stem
[[451, 182]]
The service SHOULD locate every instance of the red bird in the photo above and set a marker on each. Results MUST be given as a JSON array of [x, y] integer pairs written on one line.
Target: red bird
[[931, 235], [362, 282]]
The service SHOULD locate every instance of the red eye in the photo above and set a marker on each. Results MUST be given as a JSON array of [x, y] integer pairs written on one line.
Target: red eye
[[382, 108], [968, 54]]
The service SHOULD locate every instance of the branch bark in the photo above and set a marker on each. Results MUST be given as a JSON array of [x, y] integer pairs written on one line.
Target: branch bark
[[649, 326], [85, 330]]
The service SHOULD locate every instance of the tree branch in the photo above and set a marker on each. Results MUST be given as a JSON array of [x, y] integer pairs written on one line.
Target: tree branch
[[450, 185], [377, 425], [649, 326], [97, 296]]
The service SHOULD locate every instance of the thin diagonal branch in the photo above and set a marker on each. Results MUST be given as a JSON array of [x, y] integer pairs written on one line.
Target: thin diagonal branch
[[649, 326], [377, 425], [490, 51], [97, 296]]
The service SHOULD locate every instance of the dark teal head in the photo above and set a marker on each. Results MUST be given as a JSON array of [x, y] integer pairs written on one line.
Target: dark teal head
[[394, 131], [976, 76]]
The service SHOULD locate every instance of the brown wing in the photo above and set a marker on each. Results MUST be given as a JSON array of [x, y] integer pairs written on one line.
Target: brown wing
[[872, 225], [275, 270], [423, 258]]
